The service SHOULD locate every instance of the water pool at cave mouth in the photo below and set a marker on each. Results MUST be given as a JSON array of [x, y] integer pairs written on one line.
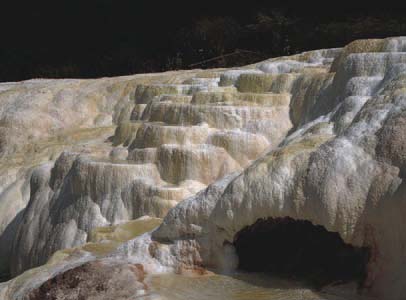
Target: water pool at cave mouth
[[239, 286], [279, 259]]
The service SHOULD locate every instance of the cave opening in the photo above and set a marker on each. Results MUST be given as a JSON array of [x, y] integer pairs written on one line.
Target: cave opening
[[299, 250]]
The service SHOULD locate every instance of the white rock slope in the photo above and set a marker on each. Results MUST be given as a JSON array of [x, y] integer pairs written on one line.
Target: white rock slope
[[318, 136]]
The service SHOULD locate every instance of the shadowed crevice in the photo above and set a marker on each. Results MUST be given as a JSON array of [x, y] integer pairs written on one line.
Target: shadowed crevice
[[299, 250]]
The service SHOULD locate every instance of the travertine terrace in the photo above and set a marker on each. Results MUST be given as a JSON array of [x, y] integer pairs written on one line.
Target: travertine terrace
[[319, 136]]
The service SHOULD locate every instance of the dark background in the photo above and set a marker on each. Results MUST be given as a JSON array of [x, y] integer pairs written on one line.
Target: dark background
[[94, 38]]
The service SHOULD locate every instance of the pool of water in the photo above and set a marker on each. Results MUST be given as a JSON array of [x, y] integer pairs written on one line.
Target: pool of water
[[240, 286]]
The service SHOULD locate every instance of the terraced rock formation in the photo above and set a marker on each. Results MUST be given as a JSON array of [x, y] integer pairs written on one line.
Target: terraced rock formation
[[317, 137]]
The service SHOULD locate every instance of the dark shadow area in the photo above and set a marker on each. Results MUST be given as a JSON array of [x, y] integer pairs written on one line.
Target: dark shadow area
[[6, 242], [94, 38], [5, 277], [299, 250]]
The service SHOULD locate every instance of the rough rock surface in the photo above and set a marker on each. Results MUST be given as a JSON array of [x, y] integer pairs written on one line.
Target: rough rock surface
[[93, 280], [318, 136]]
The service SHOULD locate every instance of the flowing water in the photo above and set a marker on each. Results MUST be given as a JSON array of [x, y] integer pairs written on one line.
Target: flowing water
[[240, 286]]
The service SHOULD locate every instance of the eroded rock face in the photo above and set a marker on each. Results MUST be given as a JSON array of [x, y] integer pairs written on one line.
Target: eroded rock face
[[334, 171], [175, 135], [317, 137]]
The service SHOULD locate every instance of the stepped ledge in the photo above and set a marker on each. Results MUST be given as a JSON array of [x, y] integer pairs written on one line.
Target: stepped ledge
[[292, 166]]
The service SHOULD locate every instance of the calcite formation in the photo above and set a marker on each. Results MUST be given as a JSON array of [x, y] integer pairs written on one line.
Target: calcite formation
[[317, 137]]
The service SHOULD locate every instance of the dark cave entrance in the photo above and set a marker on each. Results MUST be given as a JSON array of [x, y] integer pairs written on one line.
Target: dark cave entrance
[[301, 251]]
